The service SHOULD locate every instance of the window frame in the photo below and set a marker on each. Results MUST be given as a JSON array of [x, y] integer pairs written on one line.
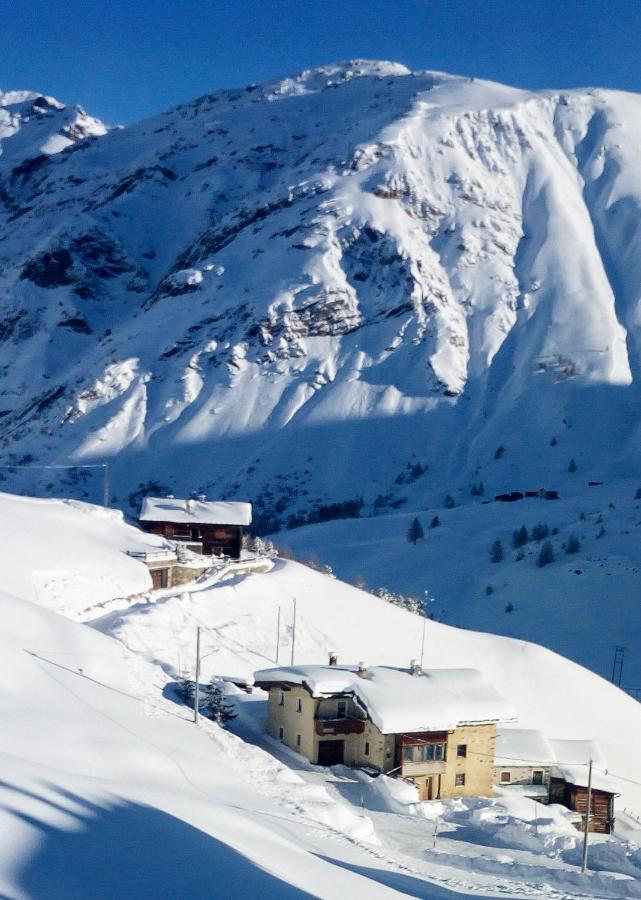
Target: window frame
[[461, 751], [281, 733], [506, 777], [281, 698], [299, 704], [459, 779], [366, 748], [538, 776], [341, 709], [299, 740]]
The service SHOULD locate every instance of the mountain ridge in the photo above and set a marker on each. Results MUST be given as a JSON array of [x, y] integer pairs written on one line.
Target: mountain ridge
[[302, 264]]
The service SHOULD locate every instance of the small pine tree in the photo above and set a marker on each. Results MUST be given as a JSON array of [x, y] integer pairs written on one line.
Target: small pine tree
[[546, 556], [435, 522], [498, 453], [573, 544], [637, 495], [448, 502], [572, 466], [477, 490], [489, 590], [601, 531], [540, 532], [519, 555], [217, 708], [186, 688], [520, 537], [496, 552], [415, 532], [509, 608], [553, 442]]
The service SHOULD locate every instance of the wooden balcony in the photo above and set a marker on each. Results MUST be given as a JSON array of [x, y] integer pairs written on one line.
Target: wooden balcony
[[324, 727]]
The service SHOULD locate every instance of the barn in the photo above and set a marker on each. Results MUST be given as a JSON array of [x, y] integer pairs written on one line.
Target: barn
[[212, 527]]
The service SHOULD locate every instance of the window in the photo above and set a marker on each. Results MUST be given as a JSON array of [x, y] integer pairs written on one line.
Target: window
[[341, 709], [537, 777], [281, 698], [299, 704], [298, 740], [419, 753], [281, 733], [506, 777], [366, 749], [461, 750], [460, 779]]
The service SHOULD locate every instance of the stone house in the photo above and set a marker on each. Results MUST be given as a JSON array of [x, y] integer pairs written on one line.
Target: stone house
[[435, 728]]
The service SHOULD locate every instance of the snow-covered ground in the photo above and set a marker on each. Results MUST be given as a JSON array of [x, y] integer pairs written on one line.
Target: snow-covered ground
[[108, 788], [582, 605]]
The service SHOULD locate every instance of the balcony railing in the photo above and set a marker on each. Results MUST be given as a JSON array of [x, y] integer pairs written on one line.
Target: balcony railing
[[324, 727]]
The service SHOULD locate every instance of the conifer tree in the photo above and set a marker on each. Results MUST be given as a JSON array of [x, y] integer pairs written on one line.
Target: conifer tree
[[496, 552], [217, 708], [415, 532], [573, 545], [435, 522], [186, 688], [546, 556]]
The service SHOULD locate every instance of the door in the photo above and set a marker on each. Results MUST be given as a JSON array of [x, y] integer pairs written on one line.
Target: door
[[159, 578], [331, 753]]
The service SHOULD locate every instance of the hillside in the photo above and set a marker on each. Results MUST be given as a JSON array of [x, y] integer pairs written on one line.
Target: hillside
[[350, 287], [101, 764]]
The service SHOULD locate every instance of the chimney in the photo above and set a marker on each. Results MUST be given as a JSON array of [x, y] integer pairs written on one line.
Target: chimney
[[415, 667], [189, 505], [333, 658], [362, 670]]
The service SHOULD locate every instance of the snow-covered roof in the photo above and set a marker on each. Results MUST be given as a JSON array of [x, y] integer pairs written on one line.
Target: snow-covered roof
[[568, 758], [209, 512], [397, 701], [572, 759], [522, 747]]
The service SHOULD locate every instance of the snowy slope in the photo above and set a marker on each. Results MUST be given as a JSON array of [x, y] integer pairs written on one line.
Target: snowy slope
[[358, 263], [109, 789], [69, 556], [582, 605], [239, 619]]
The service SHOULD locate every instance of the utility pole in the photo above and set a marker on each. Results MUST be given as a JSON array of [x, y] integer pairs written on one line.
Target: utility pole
[[423, 642], [197, 688], [294, 633], [105, 484], [584, 861], [278, 635], [617, 666]]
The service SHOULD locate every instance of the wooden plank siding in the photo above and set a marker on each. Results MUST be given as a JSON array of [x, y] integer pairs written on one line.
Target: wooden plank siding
[[575, 797], [217, 540]]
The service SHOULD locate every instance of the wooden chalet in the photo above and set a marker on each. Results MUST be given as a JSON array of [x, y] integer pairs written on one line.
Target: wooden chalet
[[214, 528]]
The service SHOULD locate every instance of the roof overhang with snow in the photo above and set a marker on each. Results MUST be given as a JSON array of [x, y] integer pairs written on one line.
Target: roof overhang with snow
[[205, 512], [397, 701]]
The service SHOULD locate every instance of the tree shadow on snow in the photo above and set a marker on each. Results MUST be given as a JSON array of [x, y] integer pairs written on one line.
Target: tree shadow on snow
[[128, 850]]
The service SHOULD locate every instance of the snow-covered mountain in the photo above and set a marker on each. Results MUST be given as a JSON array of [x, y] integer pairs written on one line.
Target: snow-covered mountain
[[347, 287]]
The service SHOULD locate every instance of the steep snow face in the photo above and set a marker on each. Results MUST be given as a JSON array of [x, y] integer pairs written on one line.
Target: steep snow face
[[32, 125], [360, 262]]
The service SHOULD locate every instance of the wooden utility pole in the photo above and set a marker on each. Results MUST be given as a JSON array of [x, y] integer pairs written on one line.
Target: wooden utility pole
[[294, 633], [584, 861], [197, 685], [105, 484], [423, 642]]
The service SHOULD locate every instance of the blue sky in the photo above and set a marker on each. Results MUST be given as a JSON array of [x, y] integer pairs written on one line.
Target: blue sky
[[125, 59]]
